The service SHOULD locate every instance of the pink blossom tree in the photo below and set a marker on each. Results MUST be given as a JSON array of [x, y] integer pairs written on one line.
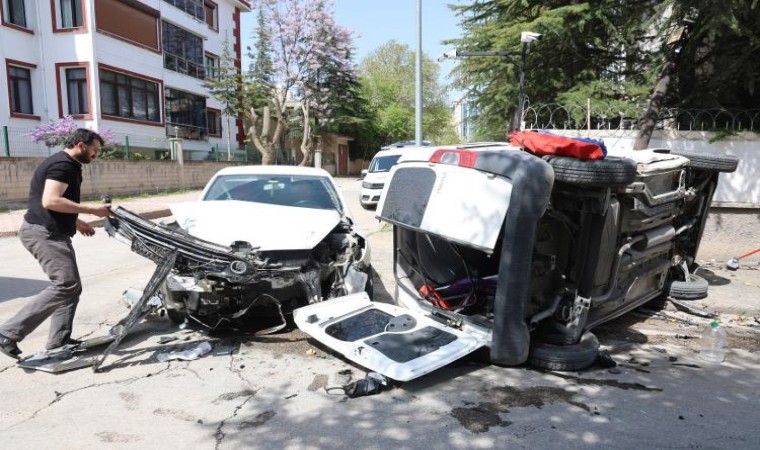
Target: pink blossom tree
[[310, 56], [53, 134]]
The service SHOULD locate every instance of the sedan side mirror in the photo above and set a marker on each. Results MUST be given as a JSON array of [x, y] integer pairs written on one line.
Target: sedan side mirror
[[364, 173]]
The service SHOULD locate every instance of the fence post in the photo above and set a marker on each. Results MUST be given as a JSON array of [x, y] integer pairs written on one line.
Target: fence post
[[126, 147], [216, 151], [6, 141]]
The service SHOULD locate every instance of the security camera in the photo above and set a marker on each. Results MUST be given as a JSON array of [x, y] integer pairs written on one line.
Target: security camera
[[451, 54], [530, 36]]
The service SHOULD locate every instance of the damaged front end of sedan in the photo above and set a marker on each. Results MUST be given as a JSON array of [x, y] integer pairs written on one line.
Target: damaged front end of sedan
[[244, 286]]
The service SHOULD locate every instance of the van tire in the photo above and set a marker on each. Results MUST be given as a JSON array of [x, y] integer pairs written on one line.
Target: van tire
[[694, 288], [708, 161], [565, 358], [608, 172]]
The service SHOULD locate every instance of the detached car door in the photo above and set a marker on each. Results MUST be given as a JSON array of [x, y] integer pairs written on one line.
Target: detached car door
[[394, 341]]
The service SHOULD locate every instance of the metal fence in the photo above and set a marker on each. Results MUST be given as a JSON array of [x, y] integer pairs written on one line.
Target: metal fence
[[680, 121], [16, 142]]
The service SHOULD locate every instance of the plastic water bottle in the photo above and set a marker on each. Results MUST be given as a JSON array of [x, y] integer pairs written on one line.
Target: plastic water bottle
[[713, 343]]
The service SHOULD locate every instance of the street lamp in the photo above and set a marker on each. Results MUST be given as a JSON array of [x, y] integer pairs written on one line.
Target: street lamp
[[526, 37]]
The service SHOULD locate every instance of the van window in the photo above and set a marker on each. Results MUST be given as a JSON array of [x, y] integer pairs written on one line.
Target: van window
[[383, 163]]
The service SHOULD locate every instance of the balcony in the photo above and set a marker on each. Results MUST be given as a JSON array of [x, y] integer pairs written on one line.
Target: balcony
[[190, 132], [181, 65]]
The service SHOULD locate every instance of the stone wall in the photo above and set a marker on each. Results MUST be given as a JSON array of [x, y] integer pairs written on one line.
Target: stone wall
[[115, 177]]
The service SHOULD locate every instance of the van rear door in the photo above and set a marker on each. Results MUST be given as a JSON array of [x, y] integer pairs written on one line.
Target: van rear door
[[461, 204], [397, 342]]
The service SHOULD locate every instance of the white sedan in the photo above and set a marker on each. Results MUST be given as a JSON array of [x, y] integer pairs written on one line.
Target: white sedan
[[260, 237]]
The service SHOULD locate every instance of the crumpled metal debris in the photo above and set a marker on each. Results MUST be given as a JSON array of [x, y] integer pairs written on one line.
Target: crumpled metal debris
[[373, 383], [186, 355]]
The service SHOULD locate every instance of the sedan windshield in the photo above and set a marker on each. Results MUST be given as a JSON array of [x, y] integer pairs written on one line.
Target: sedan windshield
[[382, 163], [301, 191]]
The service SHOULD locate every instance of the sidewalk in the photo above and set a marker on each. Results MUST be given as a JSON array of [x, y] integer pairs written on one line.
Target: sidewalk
[[149, 207]]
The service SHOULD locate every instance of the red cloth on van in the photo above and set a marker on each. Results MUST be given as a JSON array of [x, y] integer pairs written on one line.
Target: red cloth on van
[[551, 144]]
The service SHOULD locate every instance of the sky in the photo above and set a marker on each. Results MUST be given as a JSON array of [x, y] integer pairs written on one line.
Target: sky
[[376, 22]]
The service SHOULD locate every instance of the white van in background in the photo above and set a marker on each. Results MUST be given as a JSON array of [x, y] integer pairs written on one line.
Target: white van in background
[[376, 175]]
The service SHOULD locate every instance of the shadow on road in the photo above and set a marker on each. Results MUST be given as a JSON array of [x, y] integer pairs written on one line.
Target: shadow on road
[[11, 288]]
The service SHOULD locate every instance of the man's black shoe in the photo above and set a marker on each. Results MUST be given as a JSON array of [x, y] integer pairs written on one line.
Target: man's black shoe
[[69, 341], [9, 347]]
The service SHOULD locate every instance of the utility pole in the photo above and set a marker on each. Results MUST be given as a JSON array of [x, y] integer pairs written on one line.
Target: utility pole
[[418, 77]]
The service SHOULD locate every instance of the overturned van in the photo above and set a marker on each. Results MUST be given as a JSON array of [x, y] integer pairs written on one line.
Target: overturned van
[[523, 254]]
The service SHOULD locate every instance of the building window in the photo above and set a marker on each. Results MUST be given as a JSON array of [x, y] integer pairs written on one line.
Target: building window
[[193, 7], [214, 121], [70, 13], [183, 51], [76, 91], [212, 67], [14, 12], [129, 97], [186, 115], [20, 83], [212, 20]]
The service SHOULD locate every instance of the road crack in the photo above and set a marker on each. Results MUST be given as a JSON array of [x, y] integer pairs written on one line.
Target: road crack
[[60, 395], [219, 434]]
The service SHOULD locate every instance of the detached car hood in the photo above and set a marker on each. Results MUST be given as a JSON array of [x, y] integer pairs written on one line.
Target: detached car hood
[[269, 227]]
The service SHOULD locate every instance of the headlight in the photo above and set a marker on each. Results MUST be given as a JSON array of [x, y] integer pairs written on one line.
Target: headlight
[[366, 185]]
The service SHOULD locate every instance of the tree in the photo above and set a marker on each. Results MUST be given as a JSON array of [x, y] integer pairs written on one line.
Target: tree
[[259, 91], [224, 86], [610, 51], [588, 42], [388, 82], [308, 52], [53, 134]]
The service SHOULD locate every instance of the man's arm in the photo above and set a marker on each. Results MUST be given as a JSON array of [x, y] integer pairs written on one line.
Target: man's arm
[[53, 199]]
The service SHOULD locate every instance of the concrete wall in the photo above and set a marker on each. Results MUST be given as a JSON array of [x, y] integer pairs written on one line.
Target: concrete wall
[[738, 189], [115, 177]]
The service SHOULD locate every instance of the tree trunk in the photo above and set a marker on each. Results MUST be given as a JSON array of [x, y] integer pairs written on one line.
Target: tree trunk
[[306, 148], [229, 146], [648, 121], [262, 143]]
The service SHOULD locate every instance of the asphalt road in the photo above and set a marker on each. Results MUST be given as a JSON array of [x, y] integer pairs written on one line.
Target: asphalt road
[[268, 392]]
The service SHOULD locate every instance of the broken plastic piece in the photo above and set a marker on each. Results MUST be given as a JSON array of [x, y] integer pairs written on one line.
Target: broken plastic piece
[[186, 355]]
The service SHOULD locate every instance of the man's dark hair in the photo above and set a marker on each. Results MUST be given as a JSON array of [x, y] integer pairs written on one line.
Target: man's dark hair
[[82, 135]]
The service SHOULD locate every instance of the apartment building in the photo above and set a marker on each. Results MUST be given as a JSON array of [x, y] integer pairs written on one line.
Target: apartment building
[[135, 67], [465, 110]]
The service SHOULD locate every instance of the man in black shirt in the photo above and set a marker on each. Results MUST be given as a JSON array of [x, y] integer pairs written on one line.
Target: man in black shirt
[[49, 224]]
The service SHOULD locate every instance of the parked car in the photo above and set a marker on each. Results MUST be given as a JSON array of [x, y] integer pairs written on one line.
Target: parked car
[[497, 247], [260, 237], [375, 176]]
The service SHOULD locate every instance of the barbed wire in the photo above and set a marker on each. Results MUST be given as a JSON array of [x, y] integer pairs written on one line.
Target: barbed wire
[[577, 117]]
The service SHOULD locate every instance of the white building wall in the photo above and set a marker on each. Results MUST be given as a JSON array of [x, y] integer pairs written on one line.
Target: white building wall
[[45, 48]]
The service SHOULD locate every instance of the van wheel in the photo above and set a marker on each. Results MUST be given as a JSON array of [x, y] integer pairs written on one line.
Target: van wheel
[[368, 207], [608, 172], [567, 358], [708, 161], [694, 288]]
